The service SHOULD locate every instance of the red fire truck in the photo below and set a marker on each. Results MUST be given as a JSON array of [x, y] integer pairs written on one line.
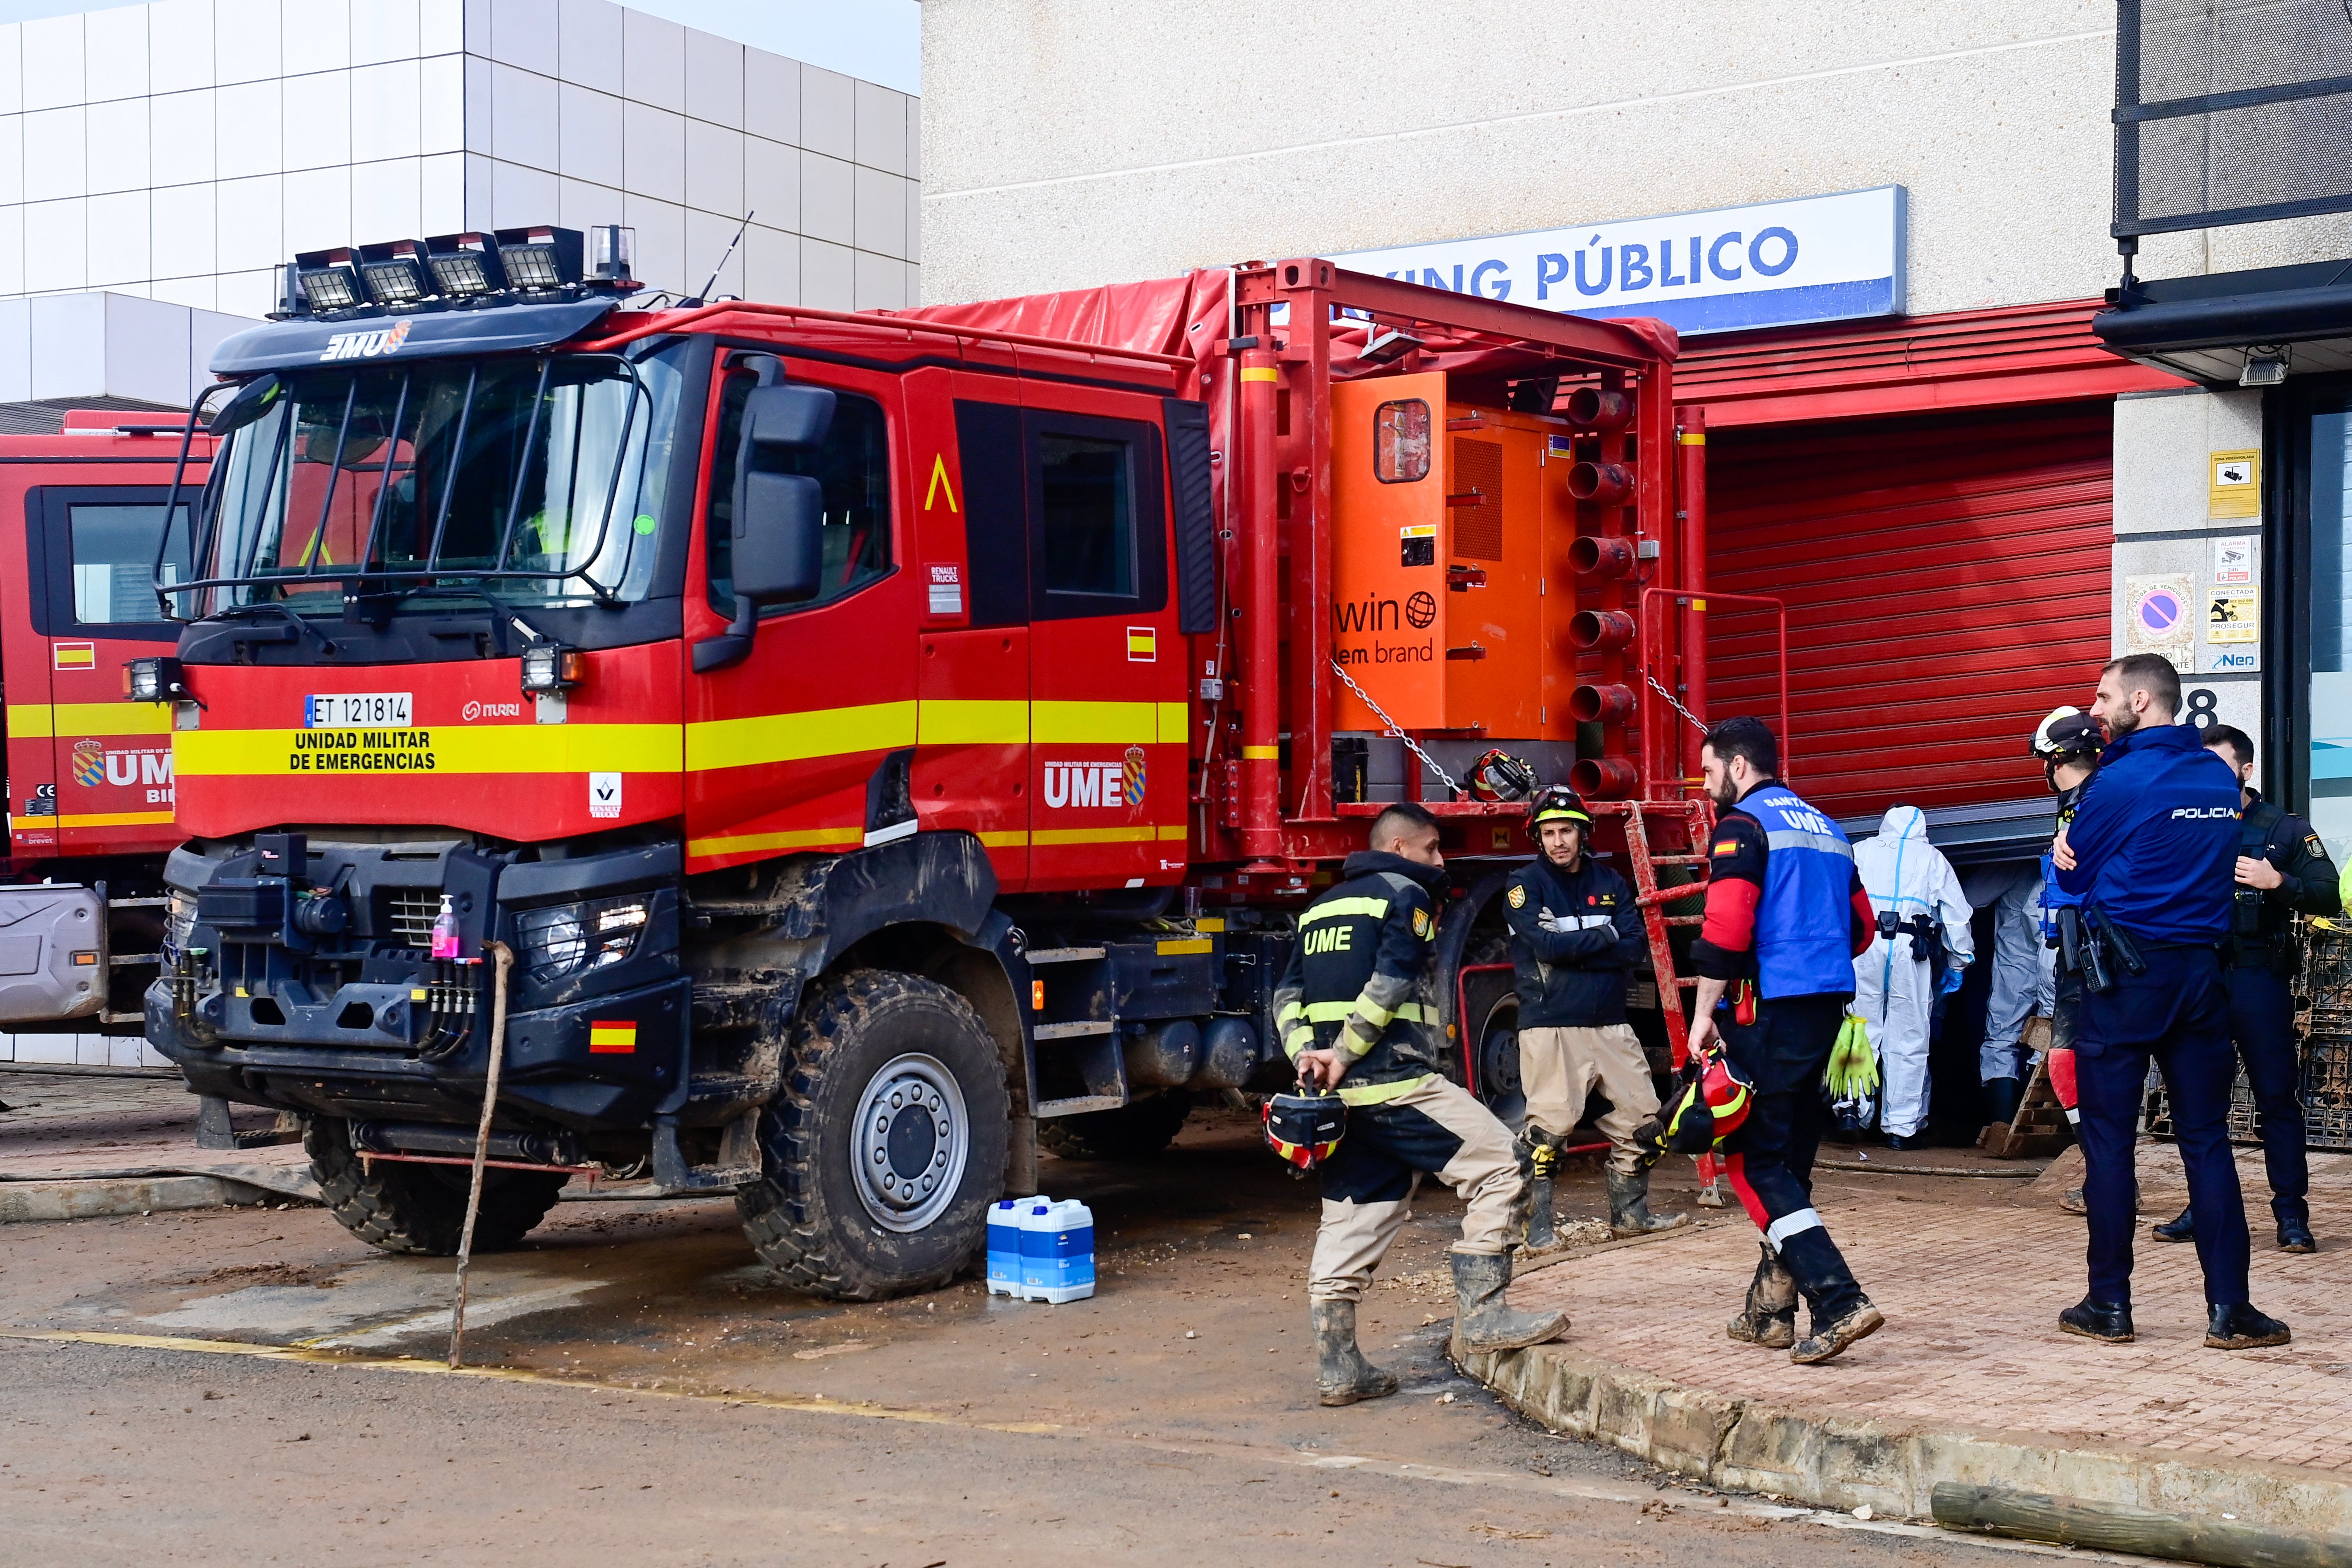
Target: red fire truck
[[886, 742], [89, 777]]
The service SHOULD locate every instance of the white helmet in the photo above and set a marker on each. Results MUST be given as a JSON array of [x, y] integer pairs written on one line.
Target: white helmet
[[2067, 732]]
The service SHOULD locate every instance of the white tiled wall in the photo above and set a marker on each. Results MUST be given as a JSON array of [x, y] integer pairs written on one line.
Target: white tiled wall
[[177, 150]]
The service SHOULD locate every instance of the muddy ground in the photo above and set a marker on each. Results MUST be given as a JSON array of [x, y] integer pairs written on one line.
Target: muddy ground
[[664, 1402]]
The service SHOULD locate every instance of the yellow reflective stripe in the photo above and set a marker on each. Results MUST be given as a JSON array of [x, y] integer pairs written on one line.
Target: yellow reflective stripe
[[1341, 1012], [1177, 946], [1099, 724], [798, 838], [1337, 908], [1146, 833], [39, 721], [1260, 753], [1289, 1010], [102, 819], [1297, 1041], [1380, 1093], [793, 737], [1004, 840], [971, 724], [1261, 373], [498, 748]]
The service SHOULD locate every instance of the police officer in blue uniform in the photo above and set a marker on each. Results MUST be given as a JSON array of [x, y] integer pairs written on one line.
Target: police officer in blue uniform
[[2283, 869], [2151, 849], [1786, 917]]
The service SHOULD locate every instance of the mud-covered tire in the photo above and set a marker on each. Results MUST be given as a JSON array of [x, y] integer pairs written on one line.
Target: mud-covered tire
[[402, 1207], [1136, 1131], [861, 1039]]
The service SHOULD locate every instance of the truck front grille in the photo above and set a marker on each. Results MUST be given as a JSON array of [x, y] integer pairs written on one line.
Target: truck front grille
[[409, 915]]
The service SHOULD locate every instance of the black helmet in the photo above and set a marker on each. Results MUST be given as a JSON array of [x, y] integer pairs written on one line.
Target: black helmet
[[1304, 1129], [1555, 803], [2066, 734], [1498, 776]]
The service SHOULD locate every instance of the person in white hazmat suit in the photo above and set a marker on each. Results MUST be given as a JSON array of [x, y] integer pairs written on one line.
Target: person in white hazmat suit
[[1921, 946], [2024, 982]]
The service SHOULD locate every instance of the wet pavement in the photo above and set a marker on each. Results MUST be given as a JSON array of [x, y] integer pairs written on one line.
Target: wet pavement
[[632, 1337]]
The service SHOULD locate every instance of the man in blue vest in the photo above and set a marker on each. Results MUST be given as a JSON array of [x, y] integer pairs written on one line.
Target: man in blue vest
[[2152, 849], [1786, 917]]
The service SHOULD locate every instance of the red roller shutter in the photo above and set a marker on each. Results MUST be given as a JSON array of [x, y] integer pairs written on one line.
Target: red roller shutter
[[1946, 579]]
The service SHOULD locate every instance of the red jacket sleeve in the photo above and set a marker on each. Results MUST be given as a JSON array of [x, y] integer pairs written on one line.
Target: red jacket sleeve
[[1726, 948], [1866, 917]]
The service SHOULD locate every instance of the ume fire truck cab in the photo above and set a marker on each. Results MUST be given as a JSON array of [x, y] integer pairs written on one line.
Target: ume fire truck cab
[[885, 740], [89, 780]]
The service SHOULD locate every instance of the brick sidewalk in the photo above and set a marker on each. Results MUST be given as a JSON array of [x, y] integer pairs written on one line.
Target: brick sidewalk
[[1971, 1275]]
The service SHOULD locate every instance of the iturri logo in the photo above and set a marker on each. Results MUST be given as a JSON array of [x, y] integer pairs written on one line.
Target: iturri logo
[[473, 711]]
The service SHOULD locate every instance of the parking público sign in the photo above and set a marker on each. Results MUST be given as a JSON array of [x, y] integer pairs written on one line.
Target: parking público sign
[[1775, 264]]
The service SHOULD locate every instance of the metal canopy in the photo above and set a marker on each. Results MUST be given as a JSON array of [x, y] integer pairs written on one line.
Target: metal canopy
[[2203, 327]]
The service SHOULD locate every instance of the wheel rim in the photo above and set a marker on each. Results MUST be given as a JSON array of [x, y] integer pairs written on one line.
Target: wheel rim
[[1499, 1063], [909, 1141]]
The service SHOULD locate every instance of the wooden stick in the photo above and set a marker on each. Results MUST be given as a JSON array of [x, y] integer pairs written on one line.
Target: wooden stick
[[2069, 1521], [502, 957]]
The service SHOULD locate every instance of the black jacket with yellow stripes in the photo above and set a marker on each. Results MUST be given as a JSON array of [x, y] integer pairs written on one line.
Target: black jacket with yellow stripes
[[1362, 977]]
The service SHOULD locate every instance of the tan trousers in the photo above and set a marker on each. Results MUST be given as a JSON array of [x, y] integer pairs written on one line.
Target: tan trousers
[[1560, 1068], [1434, 1128]]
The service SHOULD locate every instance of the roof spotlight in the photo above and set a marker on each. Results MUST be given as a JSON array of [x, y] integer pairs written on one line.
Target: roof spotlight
[[2265, 366], [327, 281], [394, 273], [464, 266], [541, 259]]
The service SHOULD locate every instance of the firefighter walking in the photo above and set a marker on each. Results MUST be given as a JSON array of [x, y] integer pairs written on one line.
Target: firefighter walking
[[1786, 916], [1357, 1008], [1575, 934]]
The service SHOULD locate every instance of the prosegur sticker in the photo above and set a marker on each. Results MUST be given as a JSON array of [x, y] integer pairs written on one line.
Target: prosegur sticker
[[2231, 616]]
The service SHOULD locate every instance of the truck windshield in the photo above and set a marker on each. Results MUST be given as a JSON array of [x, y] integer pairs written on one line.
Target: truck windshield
[[544, 476]]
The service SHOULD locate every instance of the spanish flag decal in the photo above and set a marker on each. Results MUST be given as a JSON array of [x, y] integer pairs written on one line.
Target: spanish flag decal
[[607, 1038], [75, 655], [1143, 645]]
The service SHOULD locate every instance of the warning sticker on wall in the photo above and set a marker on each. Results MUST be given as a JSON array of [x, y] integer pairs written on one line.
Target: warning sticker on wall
[[2156, 617], [2231, 616], [2236, 484], [2233, 562]]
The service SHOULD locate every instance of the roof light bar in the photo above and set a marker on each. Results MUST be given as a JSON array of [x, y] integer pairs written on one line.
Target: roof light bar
[[540, 261], [458, 272], [325, 282], [394, 274]]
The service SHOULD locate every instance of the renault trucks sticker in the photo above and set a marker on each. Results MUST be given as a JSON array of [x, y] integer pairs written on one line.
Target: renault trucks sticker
[[604, 794]]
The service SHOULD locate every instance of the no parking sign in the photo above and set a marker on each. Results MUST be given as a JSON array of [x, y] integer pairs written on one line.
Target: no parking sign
[[2159, 619]]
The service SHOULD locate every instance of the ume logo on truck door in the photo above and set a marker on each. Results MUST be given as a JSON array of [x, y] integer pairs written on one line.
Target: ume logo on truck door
[[1110, 786]]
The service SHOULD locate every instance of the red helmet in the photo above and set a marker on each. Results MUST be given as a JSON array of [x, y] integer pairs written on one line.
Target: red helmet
[[1708, 1106]]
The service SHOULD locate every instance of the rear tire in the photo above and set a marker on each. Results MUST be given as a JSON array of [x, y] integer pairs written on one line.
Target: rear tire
[[1136, 1131], [402, 1207], [887, 1145]]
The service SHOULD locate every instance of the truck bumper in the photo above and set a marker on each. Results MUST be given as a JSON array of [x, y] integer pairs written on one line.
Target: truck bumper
[[601, 1065]]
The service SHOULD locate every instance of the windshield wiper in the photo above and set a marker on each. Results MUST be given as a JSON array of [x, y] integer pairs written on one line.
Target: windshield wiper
[[504, 609], [302, 623]]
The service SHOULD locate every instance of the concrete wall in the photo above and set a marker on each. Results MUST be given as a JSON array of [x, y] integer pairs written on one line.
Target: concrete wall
[[1077, 141], [2164, 526], [180, 150]]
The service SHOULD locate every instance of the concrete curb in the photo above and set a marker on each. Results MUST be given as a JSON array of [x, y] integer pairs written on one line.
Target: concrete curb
[[21, 1201], [1842, 1462]]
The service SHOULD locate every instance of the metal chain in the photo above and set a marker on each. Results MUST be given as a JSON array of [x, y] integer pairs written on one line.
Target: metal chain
[[1696, 722], [1395, 729]]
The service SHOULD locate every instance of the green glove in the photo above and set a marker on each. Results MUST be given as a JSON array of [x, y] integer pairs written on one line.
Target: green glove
[[1854, 1065]]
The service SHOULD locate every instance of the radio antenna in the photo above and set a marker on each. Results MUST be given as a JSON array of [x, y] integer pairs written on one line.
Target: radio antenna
[[696, 302]]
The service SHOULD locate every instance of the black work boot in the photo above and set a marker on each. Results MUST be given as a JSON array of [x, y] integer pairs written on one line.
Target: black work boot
[[2000, 1101], [1483, 1320], [1769, 1317], [1342, 1375], [1629, 1206], [1539, 1165], [1829, 1339], [2294, 1226], [2240, 1327], [2110, 1323], [2180, 1228]]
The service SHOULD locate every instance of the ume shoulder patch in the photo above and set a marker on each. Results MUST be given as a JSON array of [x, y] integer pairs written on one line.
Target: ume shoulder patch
[[1517, 896], [1421, 924]]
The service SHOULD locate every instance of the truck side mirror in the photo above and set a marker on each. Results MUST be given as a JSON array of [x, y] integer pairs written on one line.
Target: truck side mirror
[[788, 416], [778, 541]]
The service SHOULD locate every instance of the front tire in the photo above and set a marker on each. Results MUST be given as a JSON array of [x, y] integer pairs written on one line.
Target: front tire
[[398, 1207], [887, 1145]]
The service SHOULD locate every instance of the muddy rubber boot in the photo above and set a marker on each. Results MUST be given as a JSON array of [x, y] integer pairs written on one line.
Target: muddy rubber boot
[[1858, 1322], [2244, 1327], [2181, 1226], [1769, 1317], [2294, 1216], [1629, 1207], [1538, 1165], [1342, 1375], [1483, 1320]]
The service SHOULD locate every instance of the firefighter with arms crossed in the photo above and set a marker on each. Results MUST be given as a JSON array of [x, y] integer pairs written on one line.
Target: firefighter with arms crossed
[[2151, 849], [1786, 917], [1357, 1009], [2282, 870], [1575, 933]]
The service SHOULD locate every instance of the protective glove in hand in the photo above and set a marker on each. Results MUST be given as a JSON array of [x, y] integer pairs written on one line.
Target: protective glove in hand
[[1952, 978], [1853, 1063]]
